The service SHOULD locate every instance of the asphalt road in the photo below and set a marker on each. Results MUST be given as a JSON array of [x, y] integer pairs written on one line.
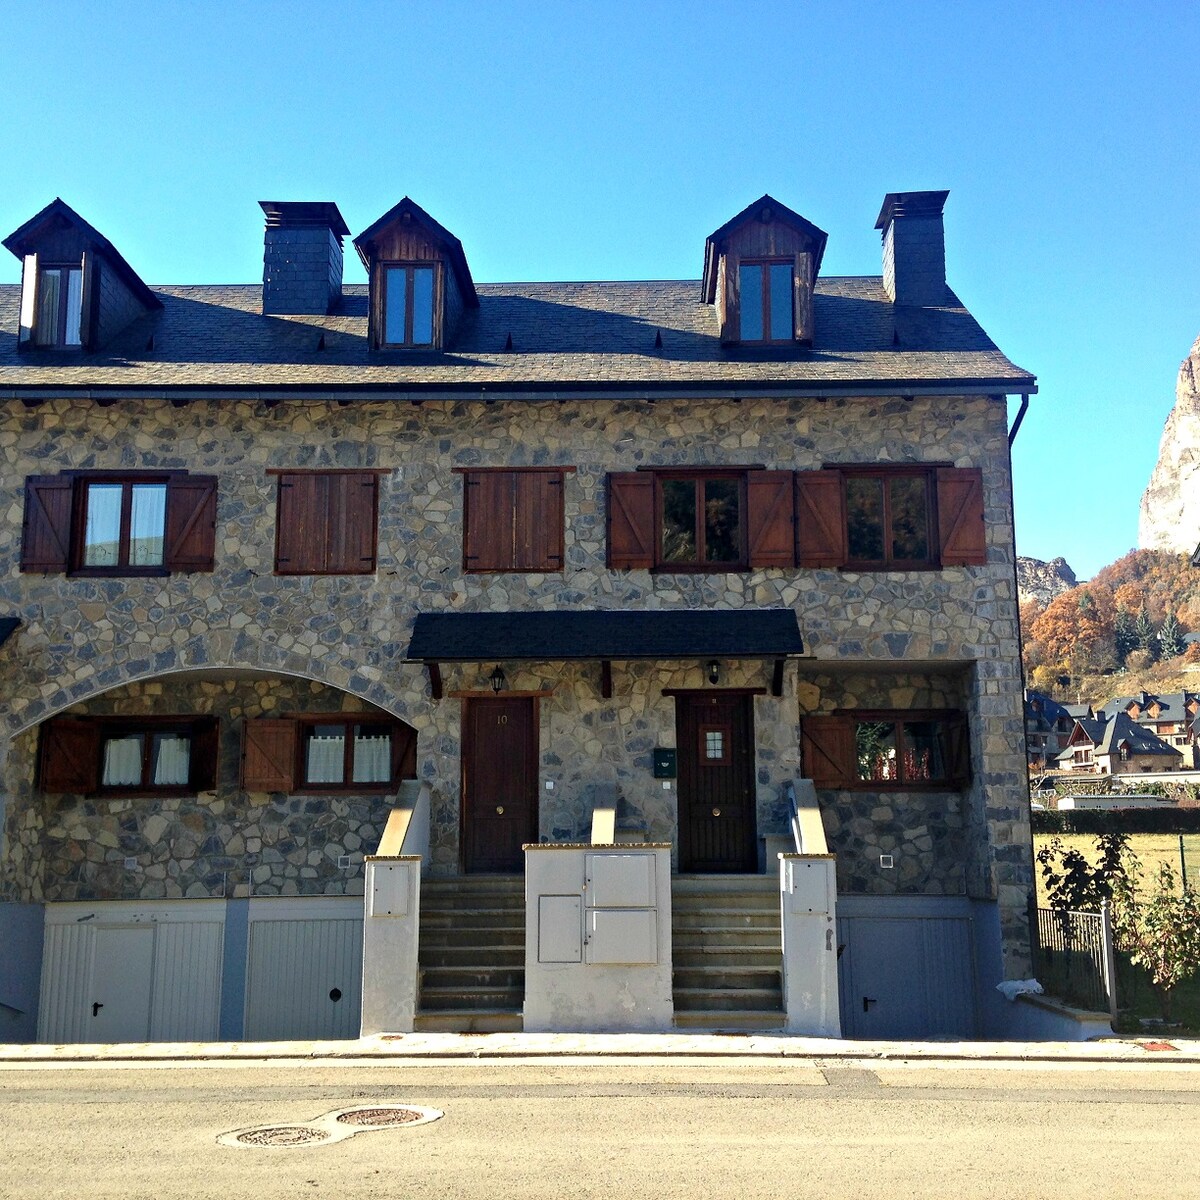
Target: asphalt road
[[726, 1129]]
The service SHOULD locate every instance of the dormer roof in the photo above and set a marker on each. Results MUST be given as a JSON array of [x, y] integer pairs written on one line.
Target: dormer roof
[[27, 238], [765, 208], [408, 211]]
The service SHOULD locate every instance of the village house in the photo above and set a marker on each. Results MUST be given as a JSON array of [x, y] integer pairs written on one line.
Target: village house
[[1115, 745], [281, 562]]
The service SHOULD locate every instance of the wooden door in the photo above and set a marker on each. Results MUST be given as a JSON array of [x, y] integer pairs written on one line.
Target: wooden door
[[499, 769], [717, 827]]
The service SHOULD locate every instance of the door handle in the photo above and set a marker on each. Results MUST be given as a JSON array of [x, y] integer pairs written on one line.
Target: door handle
[[96, 1007], [868, 1001], [716, 812], [499, 810]]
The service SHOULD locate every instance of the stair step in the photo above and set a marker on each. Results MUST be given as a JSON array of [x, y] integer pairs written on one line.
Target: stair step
[[727, 999], [731, 1021], [717, 920], [478, 936], [732, 978], [491, 1020], [469, 978], [473, 956], [733, 958], [441, 999]]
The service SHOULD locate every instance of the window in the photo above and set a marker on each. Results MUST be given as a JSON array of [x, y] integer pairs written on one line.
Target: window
[[408, 294], [730, 519], [127, 755], [887, 750], [59, 306], [766, 290], [325, 522], [513, 519], [890, 518], [94, 523], [328, 752]]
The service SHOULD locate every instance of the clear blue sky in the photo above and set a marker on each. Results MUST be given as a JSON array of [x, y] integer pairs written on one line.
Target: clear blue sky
[[582, 141]]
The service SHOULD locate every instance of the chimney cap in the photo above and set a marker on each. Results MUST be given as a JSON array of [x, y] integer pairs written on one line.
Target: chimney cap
[[300, 214], [910, 204]]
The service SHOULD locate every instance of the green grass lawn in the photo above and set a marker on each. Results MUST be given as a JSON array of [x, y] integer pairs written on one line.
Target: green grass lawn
[[1135, 997]]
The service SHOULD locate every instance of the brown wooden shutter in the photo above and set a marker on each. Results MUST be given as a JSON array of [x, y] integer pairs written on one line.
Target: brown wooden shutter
[[70, 755], [404, 752], [89, 300], [202, 760], [960, 517], [958, 750], [770, 510], [269, 756], [29, 299], [538, 520], [300, 529], [827, 750], [630, 520], [191, 523], [46, 535], [488, 520], [820, 519], [351, 523]]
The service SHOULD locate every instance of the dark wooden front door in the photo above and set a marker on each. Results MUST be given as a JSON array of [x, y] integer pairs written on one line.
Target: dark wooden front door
[[717, 827], [499, 767]]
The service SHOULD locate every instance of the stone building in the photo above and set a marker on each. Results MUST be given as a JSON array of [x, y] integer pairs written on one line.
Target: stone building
[[270, 551]]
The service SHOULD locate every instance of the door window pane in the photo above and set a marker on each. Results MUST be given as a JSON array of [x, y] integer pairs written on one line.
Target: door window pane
[[910, 521], [722, 524], [396, 300], [781, 302], [325, 754], [422, 317], [864, 518], [678, 520], [750, 290], [102, 525], [147, 520]]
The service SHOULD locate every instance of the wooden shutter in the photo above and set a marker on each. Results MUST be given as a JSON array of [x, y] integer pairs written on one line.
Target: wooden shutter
[[351, 523], [70, 755], [404, 752], [827, 750], [538, 520], [630, 520], [488, 520], [820, 519], [29, 298], [269, 756], [202, 759], [960, 517], [46, 534], [300, 521], [770, 509], [89, 300], [191, 523], [958, 750]]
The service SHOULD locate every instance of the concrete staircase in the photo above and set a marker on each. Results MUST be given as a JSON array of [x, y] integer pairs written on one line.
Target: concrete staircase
[[728, 963], [471, 956]]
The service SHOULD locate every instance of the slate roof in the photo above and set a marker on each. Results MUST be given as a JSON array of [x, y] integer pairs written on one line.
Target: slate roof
[[566, 636], [567, 339], [1173, 705], [1107, 734]]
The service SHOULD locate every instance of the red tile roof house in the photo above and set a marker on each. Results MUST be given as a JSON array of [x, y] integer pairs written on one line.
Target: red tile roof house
[[279, 558]]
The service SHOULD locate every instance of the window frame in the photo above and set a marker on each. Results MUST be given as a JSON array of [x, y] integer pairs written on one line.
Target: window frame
[[79, 503], [305, 723], [63, 270], [699, 476], [409, 267], [764, 300], [928, 477]]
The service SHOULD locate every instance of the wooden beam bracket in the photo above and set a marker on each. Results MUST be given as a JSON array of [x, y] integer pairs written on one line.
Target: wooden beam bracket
[[435, 679], [777, 678], [606, 678]]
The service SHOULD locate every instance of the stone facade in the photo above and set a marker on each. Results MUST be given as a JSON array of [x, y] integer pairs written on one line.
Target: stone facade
[[258, 639]]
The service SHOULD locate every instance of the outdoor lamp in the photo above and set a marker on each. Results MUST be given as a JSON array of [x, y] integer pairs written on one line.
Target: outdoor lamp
[[497, 679]]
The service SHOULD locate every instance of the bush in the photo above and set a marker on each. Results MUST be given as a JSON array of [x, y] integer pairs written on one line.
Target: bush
[[1118, 820]]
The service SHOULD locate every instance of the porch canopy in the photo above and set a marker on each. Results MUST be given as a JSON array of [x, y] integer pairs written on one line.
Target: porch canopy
[[604, 637]]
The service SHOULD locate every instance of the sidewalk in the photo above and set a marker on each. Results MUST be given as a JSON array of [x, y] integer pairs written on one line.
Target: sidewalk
[[421, 1047]]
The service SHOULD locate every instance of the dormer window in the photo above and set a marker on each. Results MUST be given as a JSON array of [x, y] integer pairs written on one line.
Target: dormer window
[[408, 303], [59, 306], [766, 301]]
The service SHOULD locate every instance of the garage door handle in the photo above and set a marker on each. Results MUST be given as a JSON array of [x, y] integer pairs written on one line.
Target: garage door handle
[[868, 1001], [96, 1007]]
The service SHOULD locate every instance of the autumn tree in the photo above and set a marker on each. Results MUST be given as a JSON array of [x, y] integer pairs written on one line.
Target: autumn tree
[[1077, 628]]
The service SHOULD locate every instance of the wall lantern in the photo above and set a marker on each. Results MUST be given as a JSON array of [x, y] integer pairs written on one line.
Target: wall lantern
[[497, 680], [714, 671]]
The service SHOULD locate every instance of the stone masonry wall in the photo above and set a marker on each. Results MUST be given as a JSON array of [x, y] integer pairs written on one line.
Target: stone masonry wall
[[82, 637]]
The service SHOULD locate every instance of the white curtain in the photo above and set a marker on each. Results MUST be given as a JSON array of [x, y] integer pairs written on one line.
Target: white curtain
[[122, 762], [372, 758], [147, 520], [171, 760], [49, 283], [325, 759], [102, 531]]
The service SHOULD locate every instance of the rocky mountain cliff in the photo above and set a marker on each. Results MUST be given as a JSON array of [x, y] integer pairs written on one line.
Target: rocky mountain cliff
[[1170, 516], [1042, 581]]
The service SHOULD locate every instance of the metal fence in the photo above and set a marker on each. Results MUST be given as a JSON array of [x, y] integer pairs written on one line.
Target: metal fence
[[1073, 958]]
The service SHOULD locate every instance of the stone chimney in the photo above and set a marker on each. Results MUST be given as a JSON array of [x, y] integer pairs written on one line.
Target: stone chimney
[[302, 256], [914, 247]]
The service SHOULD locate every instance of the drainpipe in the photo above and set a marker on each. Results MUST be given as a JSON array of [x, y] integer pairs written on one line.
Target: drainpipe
[[1012, 433]]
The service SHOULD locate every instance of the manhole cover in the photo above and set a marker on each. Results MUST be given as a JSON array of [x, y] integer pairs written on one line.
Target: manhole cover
[[282, 1135], [381, 1116]]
